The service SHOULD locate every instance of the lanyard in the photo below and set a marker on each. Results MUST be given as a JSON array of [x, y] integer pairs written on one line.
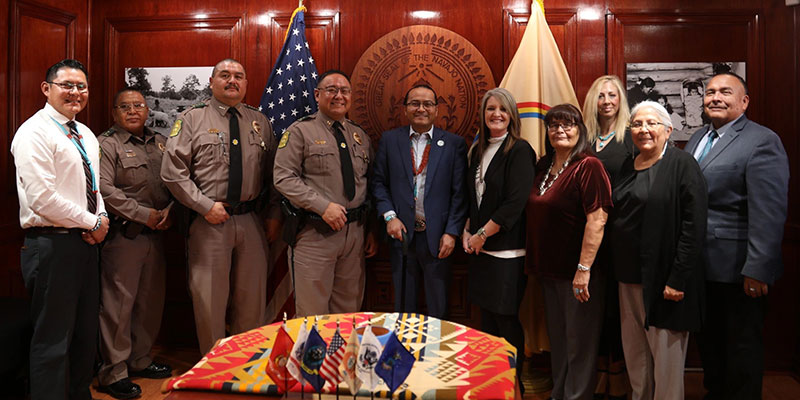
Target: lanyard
[[81, 150]]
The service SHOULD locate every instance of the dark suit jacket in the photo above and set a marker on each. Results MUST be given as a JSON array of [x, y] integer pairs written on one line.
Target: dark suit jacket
[[747, 173], [509, 179], [445, 202], [673, 229]]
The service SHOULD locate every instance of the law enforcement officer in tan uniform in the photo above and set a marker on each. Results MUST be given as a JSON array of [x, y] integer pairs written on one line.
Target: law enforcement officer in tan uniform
[[218, 164], [321, 167], [132, 261]]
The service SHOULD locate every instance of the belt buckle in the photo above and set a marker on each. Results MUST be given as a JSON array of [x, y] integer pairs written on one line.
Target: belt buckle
[[419, 224]]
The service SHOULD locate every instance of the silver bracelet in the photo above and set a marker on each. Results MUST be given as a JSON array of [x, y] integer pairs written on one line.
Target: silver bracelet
[[583, 268]]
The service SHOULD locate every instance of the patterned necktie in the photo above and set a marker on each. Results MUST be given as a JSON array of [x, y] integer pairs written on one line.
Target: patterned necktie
[[710, 142], [235, 170], [91, 197], [348, 177]]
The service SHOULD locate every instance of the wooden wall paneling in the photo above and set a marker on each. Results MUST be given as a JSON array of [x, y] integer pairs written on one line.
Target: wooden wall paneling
[[166, 41], [322, 34], [38, 35], [635, 36]]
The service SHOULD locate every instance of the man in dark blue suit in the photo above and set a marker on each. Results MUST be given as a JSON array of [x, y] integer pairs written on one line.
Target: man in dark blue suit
[[747, 173], [419, 187]]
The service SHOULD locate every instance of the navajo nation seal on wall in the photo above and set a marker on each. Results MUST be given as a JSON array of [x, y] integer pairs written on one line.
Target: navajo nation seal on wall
[[420, 54]]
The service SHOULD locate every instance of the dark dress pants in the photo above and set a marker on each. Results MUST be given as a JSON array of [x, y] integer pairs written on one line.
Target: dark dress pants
[[421, 265], [62, 278], [732, 343]]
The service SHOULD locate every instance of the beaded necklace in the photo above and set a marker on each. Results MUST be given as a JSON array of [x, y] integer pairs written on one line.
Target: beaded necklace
[[544, 186], [604, 139]]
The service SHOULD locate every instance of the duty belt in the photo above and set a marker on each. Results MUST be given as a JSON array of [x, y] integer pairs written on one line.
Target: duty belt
[[240, 208]]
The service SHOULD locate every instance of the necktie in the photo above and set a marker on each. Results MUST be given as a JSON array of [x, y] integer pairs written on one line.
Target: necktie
[[235, 170], [91, 197], [348, 178], [710, 142]]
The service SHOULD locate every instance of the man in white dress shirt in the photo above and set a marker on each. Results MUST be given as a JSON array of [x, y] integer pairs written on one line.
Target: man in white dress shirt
[[64, 217]]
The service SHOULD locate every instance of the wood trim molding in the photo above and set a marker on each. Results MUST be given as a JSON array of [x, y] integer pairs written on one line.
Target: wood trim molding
[[327, 22], [115, 26], [515, 22], [617, 20], [38, 11]]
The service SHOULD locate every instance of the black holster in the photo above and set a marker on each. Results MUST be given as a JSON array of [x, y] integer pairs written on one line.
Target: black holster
[[293, 222]]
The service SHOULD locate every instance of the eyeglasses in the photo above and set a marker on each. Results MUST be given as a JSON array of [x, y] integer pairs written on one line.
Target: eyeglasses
[[127, 107], [68, 86], [428, 105], [333, 90], [645, 124], [563, 125]]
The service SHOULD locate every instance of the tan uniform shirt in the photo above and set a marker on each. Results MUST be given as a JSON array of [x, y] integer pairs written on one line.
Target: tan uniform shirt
[[195, 168], [130, 166], [308, 168]]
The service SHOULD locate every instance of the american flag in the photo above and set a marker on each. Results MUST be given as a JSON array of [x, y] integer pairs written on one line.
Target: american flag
[[330, 367], [288, 96]]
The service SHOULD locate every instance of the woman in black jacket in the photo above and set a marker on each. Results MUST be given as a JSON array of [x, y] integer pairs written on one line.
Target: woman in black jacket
[[499, 178], [657, 229]]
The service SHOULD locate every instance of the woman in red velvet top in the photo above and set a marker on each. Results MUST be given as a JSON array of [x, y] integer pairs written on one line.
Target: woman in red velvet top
[[566, 212]]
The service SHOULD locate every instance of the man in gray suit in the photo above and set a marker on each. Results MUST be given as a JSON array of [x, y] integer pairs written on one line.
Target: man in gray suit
[[747, 172]]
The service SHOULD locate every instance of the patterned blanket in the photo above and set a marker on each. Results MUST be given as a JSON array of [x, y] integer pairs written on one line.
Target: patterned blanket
[[453, 361]]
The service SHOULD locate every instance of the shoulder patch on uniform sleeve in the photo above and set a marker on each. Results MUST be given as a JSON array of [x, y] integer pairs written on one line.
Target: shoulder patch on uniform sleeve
[[176, 129], [109, 132], [284, 139]]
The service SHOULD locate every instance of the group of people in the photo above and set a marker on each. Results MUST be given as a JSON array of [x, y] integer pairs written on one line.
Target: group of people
[[628, 235]]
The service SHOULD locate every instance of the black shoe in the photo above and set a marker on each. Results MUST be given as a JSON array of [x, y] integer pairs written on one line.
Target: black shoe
[[153, 371], [122, 389]]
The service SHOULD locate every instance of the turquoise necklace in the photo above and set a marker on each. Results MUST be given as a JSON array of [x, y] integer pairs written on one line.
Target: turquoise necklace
[[604, 139]]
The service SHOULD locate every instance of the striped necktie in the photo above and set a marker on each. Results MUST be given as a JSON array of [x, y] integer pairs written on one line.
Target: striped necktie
[[710, 142], [91, 197]]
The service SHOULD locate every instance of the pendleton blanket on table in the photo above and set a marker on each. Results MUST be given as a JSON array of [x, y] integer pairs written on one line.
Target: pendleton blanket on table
[[453, 361]]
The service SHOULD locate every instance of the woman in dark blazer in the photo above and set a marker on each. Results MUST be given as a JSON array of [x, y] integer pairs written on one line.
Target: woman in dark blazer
[[658, 227], [499, 178]]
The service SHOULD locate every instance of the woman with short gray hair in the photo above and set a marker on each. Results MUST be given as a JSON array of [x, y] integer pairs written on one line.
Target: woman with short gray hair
[[657, 229]]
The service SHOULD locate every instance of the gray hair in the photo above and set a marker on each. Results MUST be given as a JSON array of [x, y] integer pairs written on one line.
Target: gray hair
[[662, 113]]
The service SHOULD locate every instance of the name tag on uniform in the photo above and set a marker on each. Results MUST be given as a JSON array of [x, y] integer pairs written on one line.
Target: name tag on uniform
[[320, 142], [130, 153]]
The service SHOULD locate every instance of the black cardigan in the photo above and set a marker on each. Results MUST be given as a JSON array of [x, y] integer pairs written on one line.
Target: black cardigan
[[508, 179], [673, 230]]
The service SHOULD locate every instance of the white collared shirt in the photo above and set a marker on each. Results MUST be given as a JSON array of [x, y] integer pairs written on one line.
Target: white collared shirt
[[51, 182]]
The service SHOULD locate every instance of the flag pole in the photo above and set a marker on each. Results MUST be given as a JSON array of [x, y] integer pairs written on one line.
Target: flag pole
[[356, 333], [286, 373]]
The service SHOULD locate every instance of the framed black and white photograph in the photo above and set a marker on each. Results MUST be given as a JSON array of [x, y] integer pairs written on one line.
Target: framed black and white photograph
[[679, 87], [169, 91]]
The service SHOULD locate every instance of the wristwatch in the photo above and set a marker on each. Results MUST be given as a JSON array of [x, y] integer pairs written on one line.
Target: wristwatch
[[481, 232]]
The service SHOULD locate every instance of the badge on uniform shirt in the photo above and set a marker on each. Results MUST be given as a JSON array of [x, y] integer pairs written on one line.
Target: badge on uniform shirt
[[213, 131], [161, 147], [357, 137], [176, 129], [284, 140], [130, 153], [257, 127]]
